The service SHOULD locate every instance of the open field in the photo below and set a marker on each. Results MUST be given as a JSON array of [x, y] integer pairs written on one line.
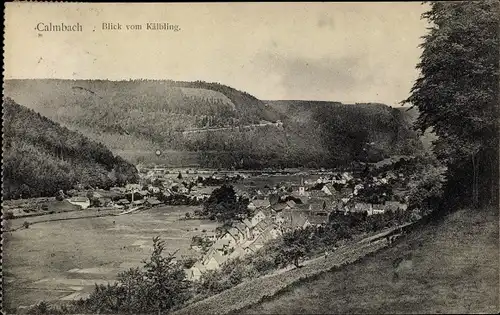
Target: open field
[[450, 267], [62, 260]]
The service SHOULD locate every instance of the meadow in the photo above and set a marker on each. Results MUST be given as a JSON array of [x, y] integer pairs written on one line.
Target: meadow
[[62, 260]]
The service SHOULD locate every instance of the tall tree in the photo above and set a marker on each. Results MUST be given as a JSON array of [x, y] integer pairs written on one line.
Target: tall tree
[[457, 94], [225, 206]]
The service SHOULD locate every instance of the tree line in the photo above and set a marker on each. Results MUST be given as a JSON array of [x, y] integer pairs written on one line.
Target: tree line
[[457, 97]]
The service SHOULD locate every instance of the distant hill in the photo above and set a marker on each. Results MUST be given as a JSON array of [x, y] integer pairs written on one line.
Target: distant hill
[[41, 157], [135, 118], [410, 115], [362, 131]]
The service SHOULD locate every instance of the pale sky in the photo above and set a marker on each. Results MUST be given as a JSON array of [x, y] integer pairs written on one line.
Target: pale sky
[[349, 52]]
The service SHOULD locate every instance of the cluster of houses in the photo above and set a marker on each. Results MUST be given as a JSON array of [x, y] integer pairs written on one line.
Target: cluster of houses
[[284, 208], [155, 191], [249, 235]]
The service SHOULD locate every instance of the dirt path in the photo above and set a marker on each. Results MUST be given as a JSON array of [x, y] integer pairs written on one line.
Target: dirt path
[[18, 223], [200, 130]]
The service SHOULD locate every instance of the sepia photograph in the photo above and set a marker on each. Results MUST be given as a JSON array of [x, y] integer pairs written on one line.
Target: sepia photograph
[[250, 158]]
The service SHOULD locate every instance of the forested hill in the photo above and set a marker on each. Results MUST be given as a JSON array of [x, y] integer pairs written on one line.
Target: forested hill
[[233, 129], [41, 157], [134, 102], [346, 132]]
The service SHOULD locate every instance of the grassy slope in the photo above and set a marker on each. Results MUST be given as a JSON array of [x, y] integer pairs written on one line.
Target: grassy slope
[[448, 267]]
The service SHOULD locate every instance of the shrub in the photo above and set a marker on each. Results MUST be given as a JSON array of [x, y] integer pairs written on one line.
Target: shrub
[[264, 263], [40, 308], [158, 288], [188, 262]]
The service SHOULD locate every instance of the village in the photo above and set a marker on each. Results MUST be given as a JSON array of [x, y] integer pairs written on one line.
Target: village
[[289, 206], [278, 204]]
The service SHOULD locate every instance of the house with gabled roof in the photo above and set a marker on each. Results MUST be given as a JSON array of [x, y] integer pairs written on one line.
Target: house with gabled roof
[[329, 190], [291, 204], [138, 202], [362, 207], [237, 252], [259, 228], [395, 205], [153, 201], [247, 223], [298, 220], [131, 187], [279, 207], [194, 273], [123, 202], [291, 219], [261, 203], [243, 229], [265, 236], [214, 260], [227, 240], [237, 235], [259, 216]]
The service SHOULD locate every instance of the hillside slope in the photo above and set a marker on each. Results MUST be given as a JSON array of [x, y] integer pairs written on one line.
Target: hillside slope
[[348, 131], [40, 157], [135, 118], [449, 267]]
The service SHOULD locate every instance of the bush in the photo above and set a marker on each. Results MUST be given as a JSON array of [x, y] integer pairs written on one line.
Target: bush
[[157, 289], [188, 262], [426, 190], [264, 263]]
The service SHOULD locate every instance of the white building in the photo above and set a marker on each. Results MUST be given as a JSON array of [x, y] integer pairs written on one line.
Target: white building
[[83, 202]]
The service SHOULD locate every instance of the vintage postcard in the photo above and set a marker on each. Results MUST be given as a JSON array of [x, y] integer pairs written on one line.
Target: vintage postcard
[[250, 158]]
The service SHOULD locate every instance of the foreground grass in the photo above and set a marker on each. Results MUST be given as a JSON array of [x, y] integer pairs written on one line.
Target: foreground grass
[[448, 267]]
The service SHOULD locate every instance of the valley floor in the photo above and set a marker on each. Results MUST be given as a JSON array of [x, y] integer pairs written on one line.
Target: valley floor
[[61, 256], [448, 267]]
